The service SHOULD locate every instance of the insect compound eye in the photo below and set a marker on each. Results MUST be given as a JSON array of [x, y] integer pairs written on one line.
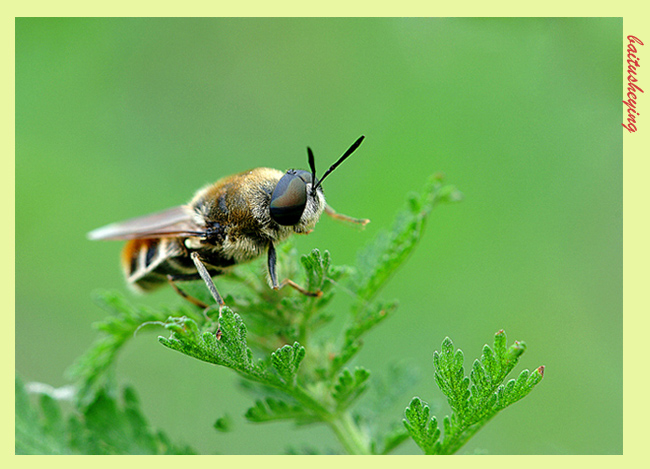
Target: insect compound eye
[[304, 175], [289, 198]]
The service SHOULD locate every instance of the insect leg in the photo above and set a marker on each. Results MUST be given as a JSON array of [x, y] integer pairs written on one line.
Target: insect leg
[[271, 264], [274, 278], [189, 298], [205, 275], [339, 216], [292, 284]]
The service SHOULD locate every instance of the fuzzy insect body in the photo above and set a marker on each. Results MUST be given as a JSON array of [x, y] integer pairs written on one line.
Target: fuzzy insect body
[[233, 221]]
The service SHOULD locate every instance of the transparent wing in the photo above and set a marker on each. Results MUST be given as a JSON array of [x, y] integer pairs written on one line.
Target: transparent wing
[[175, 221]]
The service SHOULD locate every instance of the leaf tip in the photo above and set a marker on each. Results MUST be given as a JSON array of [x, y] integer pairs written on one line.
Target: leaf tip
[[223, 424], [447, 344], [518, 348]]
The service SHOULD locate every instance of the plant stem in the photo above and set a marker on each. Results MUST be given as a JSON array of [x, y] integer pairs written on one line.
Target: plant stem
[[349, 434], [343, 426], [463, 435]]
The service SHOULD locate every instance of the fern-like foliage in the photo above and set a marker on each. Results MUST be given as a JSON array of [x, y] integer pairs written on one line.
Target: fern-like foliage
[[323, 390], [473, 399], [389, 250], [94, 371], [422, 428], [105, 426], [271, 409], [274, 341]]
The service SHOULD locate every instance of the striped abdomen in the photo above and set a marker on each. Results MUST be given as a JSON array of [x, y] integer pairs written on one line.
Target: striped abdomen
[[147, 262]]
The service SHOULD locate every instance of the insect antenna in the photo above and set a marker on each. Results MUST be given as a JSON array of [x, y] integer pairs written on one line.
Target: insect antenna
[[349, 151], [312, 165]]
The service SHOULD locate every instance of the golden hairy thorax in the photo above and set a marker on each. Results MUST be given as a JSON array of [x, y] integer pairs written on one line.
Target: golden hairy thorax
[[236, 199]]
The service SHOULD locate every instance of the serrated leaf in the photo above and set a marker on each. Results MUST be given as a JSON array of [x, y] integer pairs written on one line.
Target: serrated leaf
[[231, 350], [476, 399], [421, 428], [104, 427], [449, 375], [274, 409], [286, 361], [314, 268], [349, 387], [390, 249], [93, 371], [385, 390], [371, 316], [33, 433], [516, 390], [223, 424]]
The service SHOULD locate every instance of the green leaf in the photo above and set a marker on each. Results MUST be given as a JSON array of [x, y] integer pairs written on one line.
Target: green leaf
[[421, 428], [349, 387], [476, 399], [36, 434], [93, 371], [108, 429], [363, 322], [286, 361], [450, 378], [104, 427], [223, 424], [274, 409], [316, 268], [389, 250], [231, 350], [516, 390], [490, 371]]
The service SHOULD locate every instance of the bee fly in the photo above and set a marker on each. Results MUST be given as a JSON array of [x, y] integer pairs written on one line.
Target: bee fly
[[232, 221]]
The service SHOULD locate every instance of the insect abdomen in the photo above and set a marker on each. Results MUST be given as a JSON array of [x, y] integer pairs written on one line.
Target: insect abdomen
[[147, 262]]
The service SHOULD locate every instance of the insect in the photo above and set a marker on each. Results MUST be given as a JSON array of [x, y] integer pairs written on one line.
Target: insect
[[230, 222]]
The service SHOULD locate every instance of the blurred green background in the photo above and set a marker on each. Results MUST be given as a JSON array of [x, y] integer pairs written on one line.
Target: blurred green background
[[121, 117]]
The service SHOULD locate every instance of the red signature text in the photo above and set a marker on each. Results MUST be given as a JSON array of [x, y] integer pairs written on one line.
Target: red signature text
[[632, 87]]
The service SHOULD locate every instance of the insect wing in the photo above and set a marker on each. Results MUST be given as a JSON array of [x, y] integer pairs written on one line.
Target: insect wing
[[175, 221]]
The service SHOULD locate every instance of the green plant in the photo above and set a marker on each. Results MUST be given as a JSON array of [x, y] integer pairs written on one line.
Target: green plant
[[474, 400], [105, 426], [303, 376]]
